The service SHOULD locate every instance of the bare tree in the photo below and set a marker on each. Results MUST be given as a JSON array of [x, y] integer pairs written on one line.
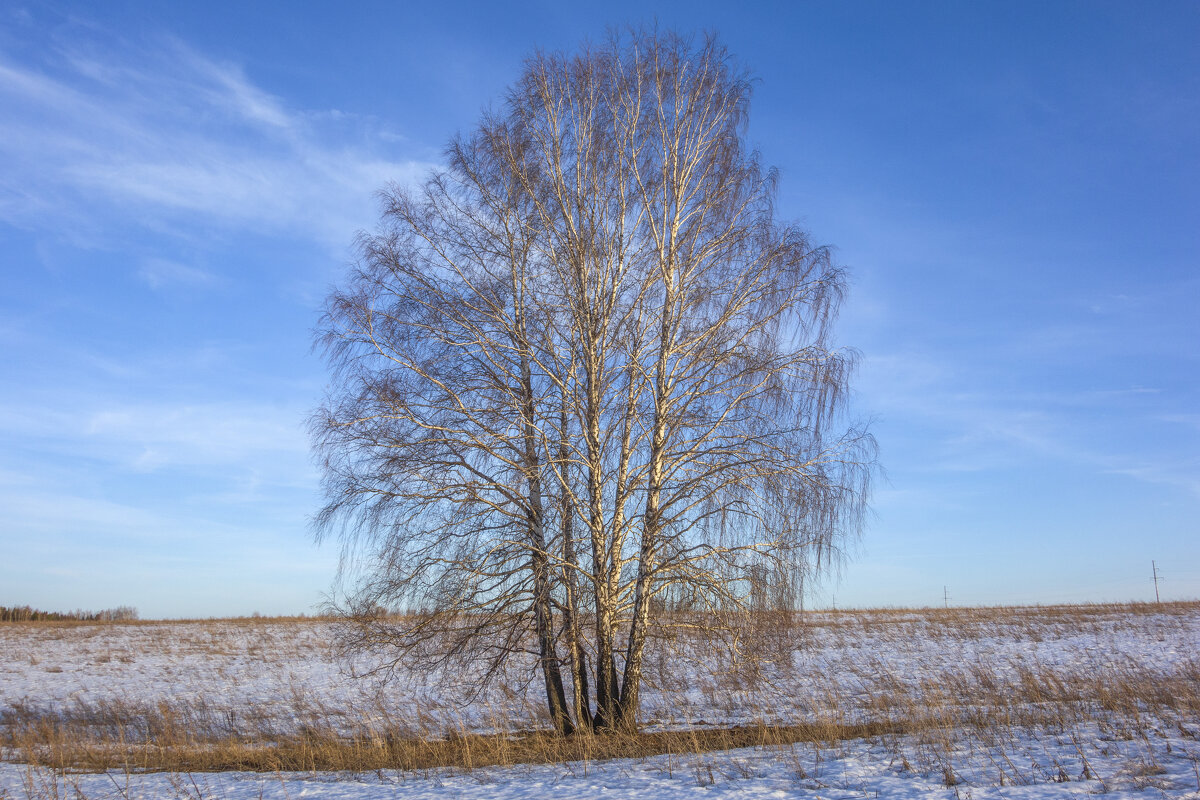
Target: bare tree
[[584, 370]]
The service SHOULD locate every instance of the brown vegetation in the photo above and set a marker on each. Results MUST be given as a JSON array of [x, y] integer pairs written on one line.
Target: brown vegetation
[[980, 701]]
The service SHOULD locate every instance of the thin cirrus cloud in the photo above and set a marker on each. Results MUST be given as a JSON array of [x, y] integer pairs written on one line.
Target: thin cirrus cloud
[[150, 436], [965, 425], [213, 434], [161, 273], [93, 130]]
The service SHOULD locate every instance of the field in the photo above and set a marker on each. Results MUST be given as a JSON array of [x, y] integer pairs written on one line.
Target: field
[[963, 703]]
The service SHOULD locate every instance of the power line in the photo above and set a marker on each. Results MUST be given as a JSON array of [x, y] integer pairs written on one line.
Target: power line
[[1155, 578]]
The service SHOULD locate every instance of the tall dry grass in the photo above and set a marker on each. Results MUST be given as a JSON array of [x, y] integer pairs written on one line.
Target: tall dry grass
[[921, 716]]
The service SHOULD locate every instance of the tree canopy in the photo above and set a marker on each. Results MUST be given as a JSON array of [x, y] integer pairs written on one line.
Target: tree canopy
[[585, 385]]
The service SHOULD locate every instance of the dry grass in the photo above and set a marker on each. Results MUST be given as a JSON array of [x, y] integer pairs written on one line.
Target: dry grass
[[922, 713], [61, 748]]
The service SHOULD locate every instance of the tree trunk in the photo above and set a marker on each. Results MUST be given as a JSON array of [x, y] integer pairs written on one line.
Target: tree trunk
[[581, 702], [606, 670], [652, 517], [556, 700]]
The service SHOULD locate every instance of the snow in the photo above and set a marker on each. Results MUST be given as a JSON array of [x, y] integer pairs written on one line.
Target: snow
[[852, 770], [282, 672], [281, 669]]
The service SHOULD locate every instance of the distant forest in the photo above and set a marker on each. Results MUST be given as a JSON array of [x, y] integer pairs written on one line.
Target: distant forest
[[28, 614]]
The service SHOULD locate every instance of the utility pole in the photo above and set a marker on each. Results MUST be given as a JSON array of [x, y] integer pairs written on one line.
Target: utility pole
[[1155, 577], [946, 595]]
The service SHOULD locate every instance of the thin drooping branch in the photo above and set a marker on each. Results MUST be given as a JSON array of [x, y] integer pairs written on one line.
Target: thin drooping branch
[[585, 387]]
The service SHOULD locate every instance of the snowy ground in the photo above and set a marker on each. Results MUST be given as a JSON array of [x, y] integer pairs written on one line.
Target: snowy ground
[[288, 671], [854, 664], [1052, 768]]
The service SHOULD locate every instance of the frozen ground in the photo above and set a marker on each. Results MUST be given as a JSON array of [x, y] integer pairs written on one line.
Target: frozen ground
[[278, 675], [1052, 768], [287, 671]]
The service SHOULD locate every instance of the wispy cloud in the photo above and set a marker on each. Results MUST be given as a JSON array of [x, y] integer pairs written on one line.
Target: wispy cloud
[[70, 547], [231, 445], [1187, 420], [95, 125], [1180, 475], [960, 423], [160, 273], [199, 434]]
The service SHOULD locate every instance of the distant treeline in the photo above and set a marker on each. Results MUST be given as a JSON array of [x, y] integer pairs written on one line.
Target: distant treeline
[[28, 614]]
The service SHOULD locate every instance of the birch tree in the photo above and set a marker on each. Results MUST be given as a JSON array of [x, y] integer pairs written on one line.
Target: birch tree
[[583, 373]]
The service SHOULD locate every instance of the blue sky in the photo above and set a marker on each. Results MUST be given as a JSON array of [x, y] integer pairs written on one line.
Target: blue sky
[[1015, 188]]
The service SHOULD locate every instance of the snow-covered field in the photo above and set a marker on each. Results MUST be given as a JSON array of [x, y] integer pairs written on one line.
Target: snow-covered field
[[849, 771], [1017, 703]]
